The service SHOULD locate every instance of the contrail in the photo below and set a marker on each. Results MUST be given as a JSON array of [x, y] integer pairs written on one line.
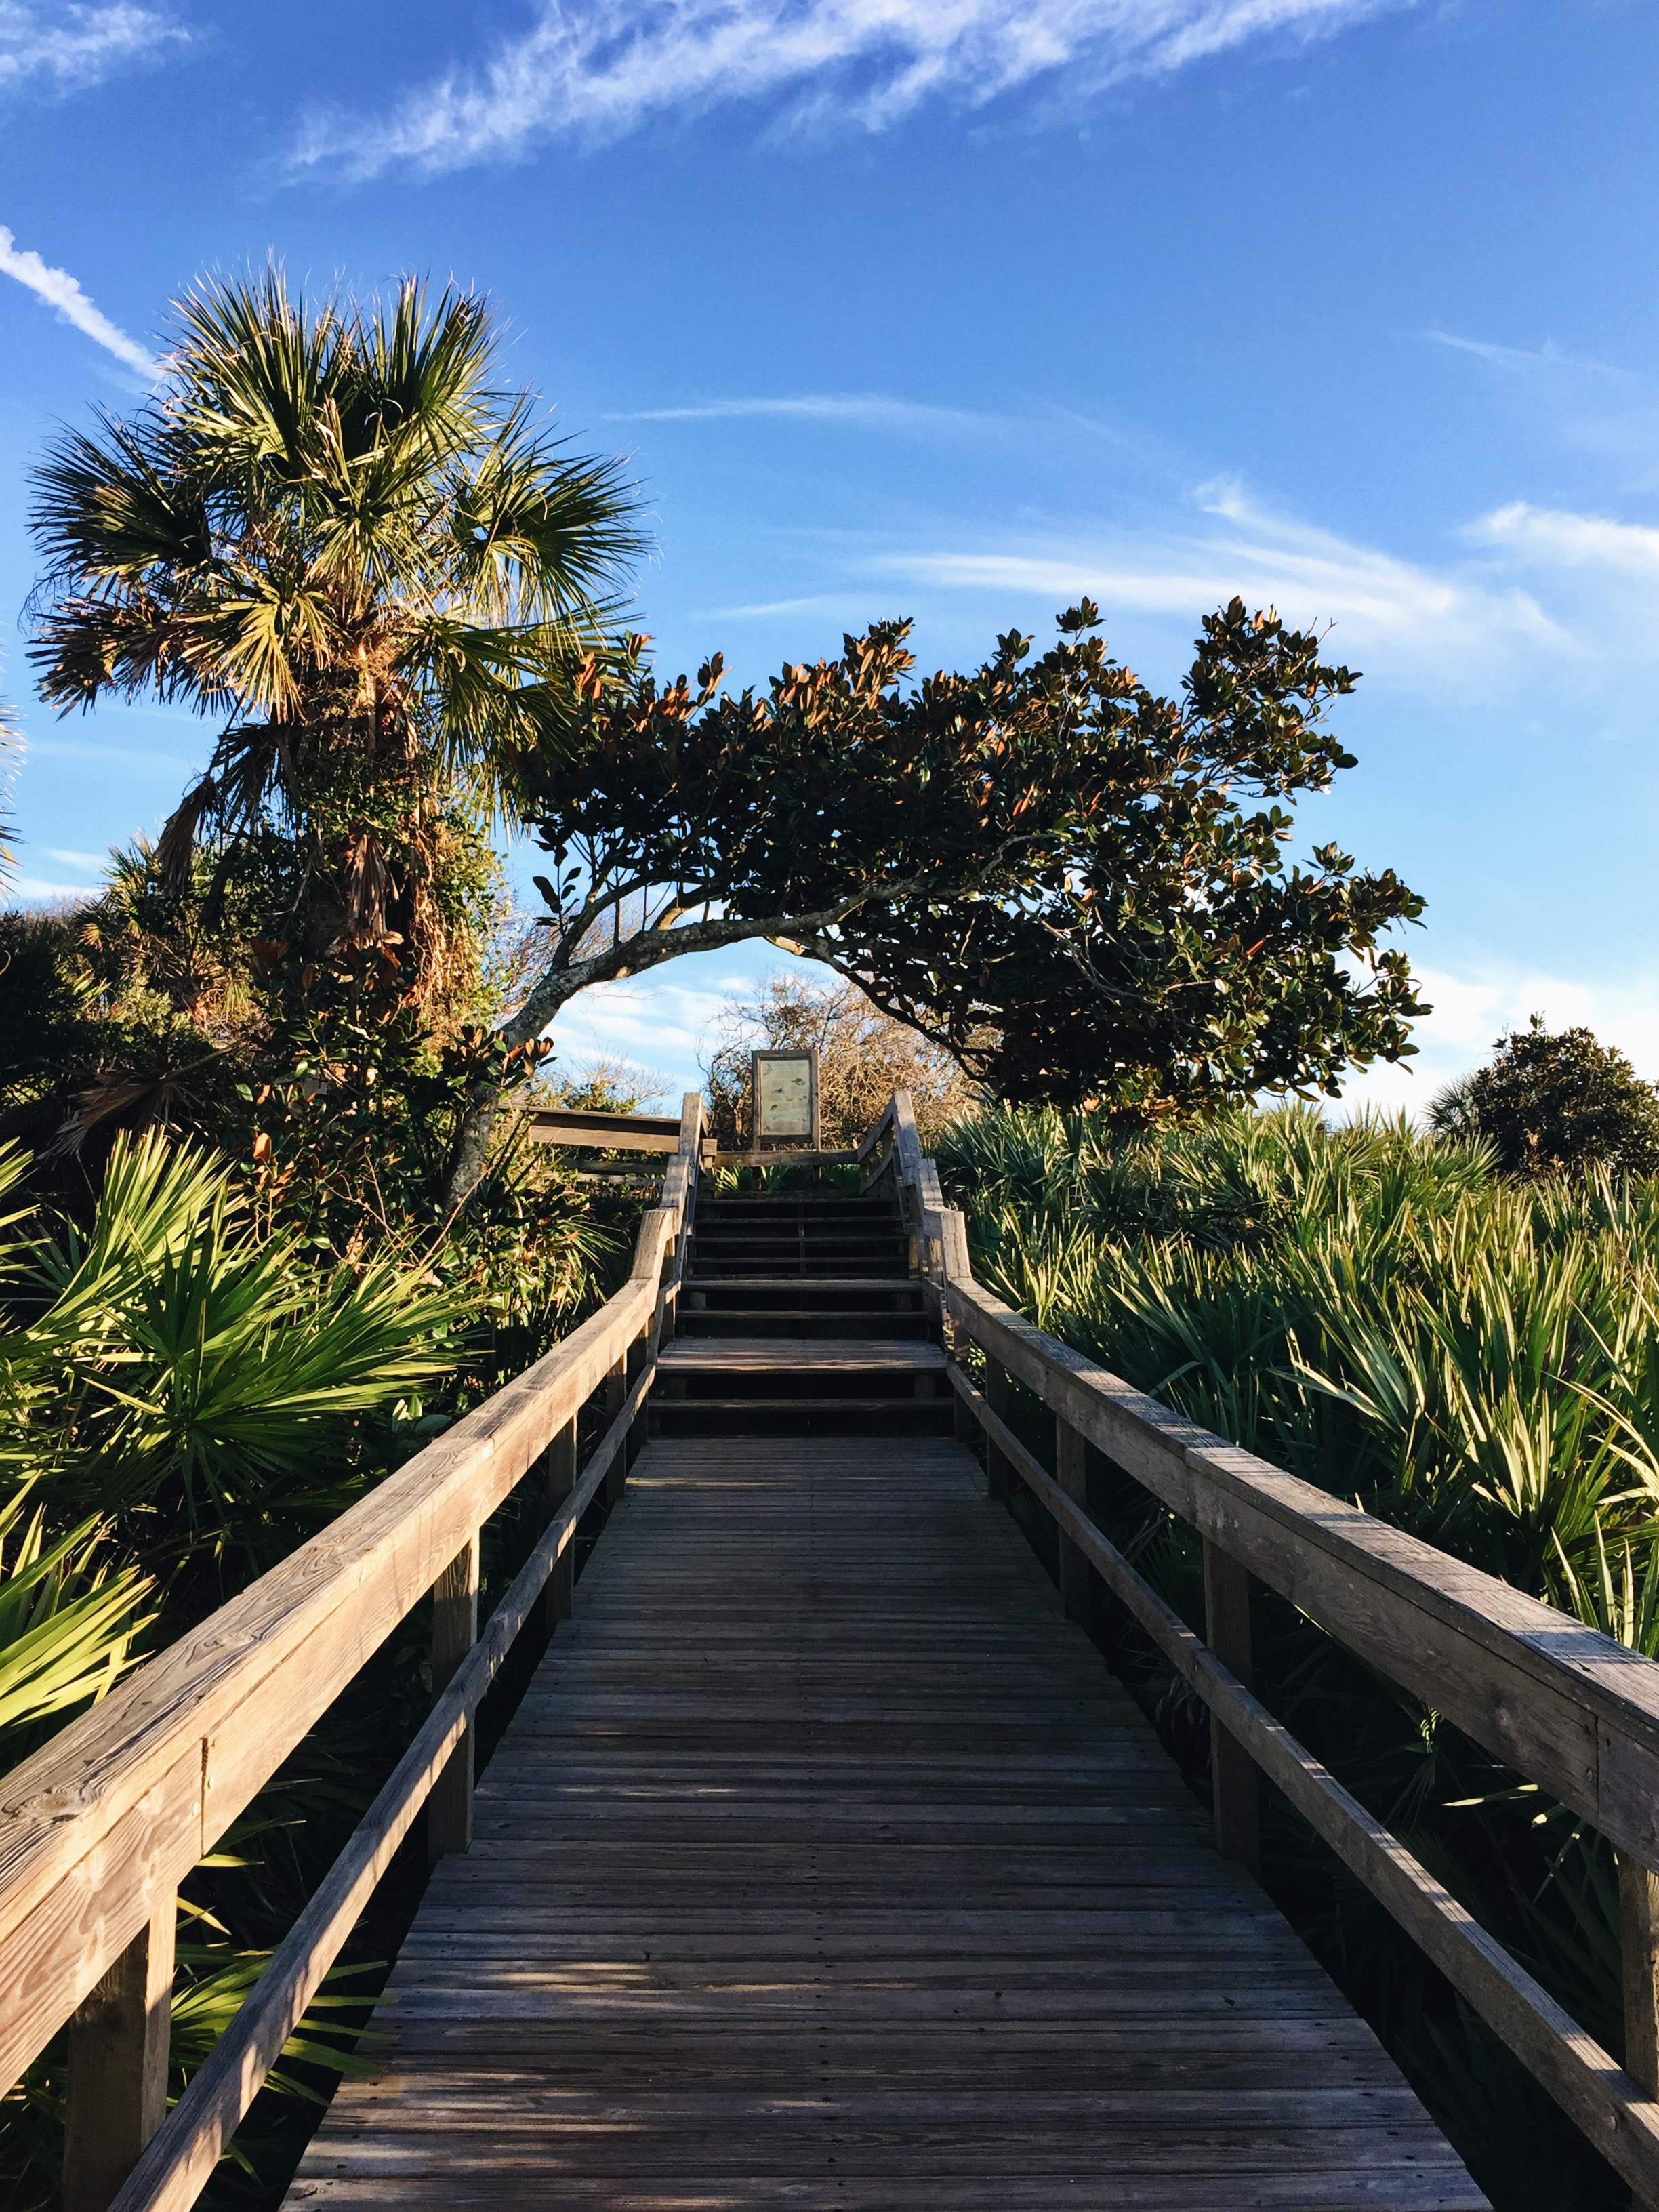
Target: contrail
[[60, 289]]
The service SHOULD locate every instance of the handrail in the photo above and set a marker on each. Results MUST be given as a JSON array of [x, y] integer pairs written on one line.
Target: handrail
[[99, 1826], [1569, 1708], [595, 1132]]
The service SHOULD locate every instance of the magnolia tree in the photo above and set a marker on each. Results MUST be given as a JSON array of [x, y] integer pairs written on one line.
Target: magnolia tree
[[1079, 889]]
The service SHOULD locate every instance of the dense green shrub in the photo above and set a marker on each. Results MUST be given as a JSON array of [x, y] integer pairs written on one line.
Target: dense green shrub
[[1557, 1101]]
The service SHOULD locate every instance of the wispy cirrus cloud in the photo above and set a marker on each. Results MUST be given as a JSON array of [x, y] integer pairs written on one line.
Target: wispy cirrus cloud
[[61, 290], [1560, 539], [871, 410], [599, 69], [1526, 360], [1403, 617], [64, 48]]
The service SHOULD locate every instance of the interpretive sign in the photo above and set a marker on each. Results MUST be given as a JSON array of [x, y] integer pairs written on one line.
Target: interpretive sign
[[784, 1096]]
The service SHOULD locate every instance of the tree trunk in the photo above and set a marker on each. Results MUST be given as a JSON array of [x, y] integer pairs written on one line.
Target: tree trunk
[[470, 1148]]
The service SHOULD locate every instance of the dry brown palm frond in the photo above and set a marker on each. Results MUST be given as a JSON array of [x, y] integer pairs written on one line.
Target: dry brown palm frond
[[175, 849], [367, 890], [133, 1101]]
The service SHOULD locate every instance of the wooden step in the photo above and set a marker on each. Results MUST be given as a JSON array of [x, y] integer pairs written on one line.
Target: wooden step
[[784, 1313], [827, 1354], [803, 1282], [791, 1406]]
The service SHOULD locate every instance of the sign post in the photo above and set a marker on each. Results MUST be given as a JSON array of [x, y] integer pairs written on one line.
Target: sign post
[[784, 1100]]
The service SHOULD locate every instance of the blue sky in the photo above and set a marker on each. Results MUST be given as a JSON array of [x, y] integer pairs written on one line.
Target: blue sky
[[957, 308]]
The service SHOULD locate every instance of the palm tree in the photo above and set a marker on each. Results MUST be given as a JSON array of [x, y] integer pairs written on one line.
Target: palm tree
[[335, 527]]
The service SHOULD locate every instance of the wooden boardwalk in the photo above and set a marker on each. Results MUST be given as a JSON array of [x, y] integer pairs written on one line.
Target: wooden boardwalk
[[825, 1866]]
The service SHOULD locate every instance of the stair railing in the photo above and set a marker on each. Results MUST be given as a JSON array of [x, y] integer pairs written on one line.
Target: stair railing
[[1568, 1708], [98, 1829]]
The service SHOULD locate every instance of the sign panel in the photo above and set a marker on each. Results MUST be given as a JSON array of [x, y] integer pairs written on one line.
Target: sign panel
[[785, 1101]]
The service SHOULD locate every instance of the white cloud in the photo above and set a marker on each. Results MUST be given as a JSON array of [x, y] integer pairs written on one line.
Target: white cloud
[[1403, 616], [667, 1018], [66, 47], [763, 609], [142, 764], [1555, 539], [858, 410], [94, 863], [602, 68], [61, 290], [1525, 359], [34, 890], [662, 1018], [1474, 1007]]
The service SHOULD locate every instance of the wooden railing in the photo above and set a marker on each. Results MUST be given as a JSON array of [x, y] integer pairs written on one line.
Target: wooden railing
[[1567, 1708], [602, 1132], [100, 1827]]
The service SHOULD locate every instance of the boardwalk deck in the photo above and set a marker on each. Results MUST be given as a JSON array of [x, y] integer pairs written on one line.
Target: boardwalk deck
[[825, 1866]]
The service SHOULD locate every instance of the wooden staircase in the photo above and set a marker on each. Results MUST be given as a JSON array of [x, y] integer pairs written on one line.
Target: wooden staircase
[[800, 1316]]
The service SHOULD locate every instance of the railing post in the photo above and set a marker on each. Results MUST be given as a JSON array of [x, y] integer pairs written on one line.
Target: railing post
[[454, 1632], [671, 1302], [118, 2066], [558, 1480], [1234, 1785], [616, 1390], [638, 1353], [999, 1482], [1639, 1939], [1069, 1473]]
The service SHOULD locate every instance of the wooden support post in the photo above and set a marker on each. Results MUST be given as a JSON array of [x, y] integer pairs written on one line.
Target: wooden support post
[[1234, 1785], [454, 1632], [1638, 1937], [638, 1352], [999, 1482], [1073, 1567], [558, 1480], [118, 2066], [616, 1389]]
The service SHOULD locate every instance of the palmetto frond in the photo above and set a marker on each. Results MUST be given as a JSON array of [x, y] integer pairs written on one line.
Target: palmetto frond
[[179, 1353], [67, 1625]]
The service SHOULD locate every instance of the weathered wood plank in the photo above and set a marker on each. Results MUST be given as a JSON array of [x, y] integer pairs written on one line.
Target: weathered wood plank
[[454, 1632], [1612, 2108], [855, 1356], [118, 2066]]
